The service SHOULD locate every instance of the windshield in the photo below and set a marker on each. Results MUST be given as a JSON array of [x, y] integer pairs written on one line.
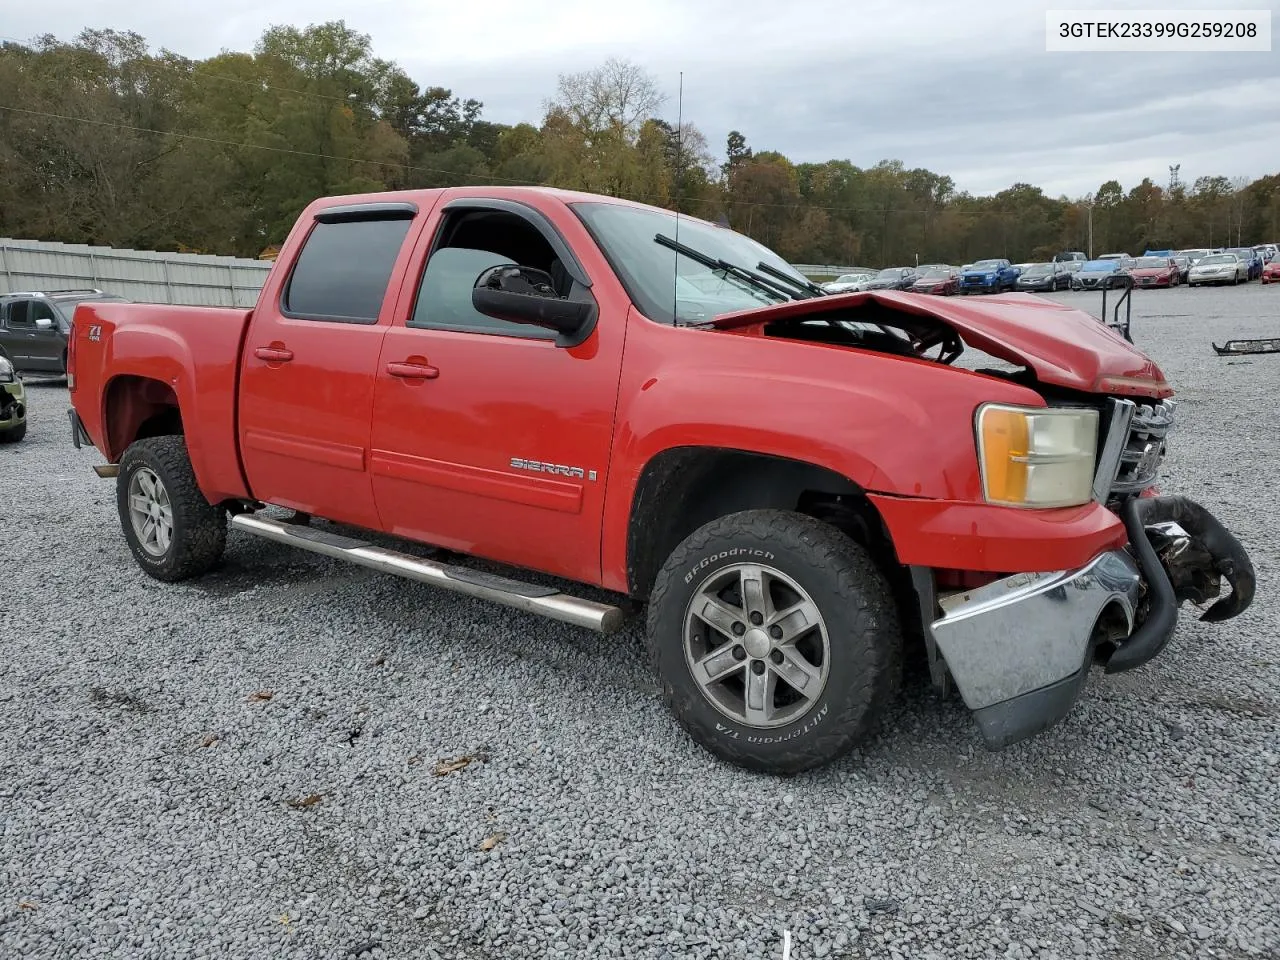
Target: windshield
[[649, 270], [986, 265], [1149, 262], [1218, 258], [936, 274], [1038, 270], [853, 277], [890, 273], [1099, 266]]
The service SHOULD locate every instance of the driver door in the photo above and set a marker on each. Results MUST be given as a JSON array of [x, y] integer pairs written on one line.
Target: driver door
[[487, 437]]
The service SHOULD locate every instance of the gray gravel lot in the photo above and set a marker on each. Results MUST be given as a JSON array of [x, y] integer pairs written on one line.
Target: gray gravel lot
[[154, 798]]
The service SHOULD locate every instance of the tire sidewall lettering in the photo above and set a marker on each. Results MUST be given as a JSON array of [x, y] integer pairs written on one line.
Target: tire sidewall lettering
[[810, 723], [731, 553]]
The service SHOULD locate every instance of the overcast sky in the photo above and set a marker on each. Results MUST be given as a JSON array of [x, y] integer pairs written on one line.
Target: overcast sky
[[962, 88]]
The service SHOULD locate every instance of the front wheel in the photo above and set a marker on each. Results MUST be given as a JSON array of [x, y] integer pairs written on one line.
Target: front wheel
[[173, 531], [14, 434], [776, 639]]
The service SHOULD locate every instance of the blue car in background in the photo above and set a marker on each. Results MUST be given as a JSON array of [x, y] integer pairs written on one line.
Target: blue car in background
[[1099, 275], [1251, 257], [989, 276]]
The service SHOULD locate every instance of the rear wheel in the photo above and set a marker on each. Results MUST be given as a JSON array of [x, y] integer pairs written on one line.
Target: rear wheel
[[14, 434], [776, 638], [173, 531]]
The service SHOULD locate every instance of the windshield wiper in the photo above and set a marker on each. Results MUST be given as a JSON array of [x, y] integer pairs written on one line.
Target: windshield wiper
[[806, 285], [715, 263]]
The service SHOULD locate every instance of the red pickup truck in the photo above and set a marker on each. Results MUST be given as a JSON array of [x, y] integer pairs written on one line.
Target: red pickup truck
[[804, 488]]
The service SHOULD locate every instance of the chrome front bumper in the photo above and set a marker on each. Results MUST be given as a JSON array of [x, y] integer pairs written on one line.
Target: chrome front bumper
[[1019, 649]]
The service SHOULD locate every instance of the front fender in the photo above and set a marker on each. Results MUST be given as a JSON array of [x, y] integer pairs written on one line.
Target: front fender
[[891, 425]]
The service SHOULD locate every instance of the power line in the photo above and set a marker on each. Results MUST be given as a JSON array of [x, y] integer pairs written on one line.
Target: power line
[[196, 74], [260, 146], [729, 203]]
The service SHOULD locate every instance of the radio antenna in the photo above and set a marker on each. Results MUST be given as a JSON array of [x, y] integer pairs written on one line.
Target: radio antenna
[[679, 174]]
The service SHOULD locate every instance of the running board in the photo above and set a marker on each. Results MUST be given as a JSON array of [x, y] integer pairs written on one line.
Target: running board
[[531, 598]]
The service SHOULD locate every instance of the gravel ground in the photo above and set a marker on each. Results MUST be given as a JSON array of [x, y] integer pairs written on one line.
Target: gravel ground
[[245, 766]]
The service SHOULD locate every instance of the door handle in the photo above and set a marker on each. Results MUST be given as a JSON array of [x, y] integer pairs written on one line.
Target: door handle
[[273, 354], [413, 371]]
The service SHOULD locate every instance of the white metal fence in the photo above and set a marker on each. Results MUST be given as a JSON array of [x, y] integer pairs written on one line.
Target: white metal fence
[[141, 275], [821, 269]]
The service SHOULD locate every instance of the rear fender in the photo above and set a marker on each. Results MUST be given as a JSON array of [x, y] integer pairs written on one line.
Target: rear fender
[[202, 376]]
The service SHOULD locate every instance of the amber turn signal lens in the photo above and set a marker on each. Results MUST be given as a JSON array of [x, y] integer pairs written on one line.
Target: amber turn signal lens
[[1005, 445]]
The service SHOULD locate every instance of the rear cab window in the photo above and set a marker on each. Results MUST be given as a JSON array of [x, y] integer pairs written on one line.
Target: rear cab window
[[344, 269]]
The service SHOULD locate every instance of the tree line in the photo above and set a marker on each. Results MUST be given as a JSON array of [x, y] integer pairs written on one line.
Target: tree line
[[104, 141]]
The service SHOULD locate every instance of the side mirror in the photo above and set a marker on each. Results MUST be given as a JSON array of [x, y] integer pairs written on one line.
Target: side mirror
[[44, 323], [525, 295]]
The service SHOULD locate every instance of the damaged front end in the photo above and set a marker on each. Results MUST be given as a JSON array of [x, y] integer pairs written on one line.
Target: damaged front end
[[1019, 648]]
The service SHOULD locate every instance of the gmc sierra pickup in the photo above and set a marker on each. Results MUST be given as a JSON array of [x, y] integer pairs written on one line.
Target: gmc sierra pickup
[[802, 487]]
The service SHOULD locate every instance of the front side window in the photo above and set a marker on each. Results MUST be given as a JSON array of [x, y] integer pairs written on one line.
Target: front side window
[[343, 270], [671, 287], [469, 243]]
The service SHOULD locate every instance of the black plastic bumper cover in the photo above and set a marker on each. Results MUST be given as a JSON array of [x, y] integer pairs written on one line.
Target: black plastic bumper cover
[[1229, 556]]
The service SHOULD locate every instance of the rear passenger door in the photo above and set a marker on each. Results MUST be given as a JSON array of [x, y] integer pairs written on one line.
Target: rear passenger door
[[309, 360]]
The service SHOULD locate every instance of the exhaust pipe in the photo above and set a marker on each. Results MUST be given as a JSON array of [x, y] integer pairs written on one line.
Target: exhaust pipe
[[1227, 556]]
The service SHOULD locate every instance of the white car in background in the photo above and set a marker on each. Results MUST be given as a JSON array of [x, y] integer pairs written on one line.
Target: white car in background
[[1218, 268], [850, 282]]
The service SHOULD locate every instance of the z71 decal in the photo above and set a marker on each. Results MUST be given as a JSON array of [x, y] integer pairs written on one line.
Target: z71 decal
[[559, 469]]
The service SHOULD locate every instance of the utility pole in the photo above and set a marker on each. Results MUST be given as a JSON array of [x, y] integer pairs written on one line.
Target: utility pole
[[1090, 205]]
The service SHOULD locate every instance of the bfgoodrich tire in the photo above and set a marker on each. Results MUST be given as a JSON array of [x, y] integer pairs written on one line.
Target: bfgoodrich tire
[[173, 531], [776, 639]]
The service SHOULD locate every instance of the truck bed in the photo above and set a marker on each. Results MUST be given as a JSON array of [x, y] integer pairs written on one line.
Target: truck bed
[[193, 350]]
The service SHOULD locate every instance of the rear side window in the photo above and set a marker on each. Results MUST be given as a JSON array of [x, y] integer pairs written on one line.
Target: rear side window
[[343, 270]]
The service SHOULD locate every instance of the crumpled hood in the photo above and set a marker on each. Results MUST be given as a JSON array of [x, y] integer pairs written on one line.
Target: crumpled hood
[[1063, 346]]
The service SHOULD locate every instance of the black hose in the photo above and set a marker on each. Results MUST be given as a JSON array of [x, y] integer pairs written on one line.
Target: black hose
[[1162, 612]]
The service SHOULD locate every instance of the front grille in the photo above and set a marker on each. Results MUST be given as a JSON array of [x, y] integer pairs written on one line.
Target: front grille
[[1145, 449]]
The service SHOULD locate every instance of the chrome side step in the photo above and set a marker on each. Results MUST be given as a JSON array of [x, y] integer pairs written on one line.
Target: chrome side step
[[545, 601]]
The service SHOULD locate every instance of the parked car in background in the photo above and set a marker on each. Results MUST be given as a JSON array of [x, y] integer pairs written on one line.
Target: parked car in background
[[988, 276], [1071, 256], [13, 404], [1194, 255], [1155, 272], [1044, 278], [848, 282], [34, 327], [1271, 272], [1267, 251], [1251, 258], [1183, 264], [1114, 256], [892, 278], [1218, 268], [937, 279], [1101, 274]]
